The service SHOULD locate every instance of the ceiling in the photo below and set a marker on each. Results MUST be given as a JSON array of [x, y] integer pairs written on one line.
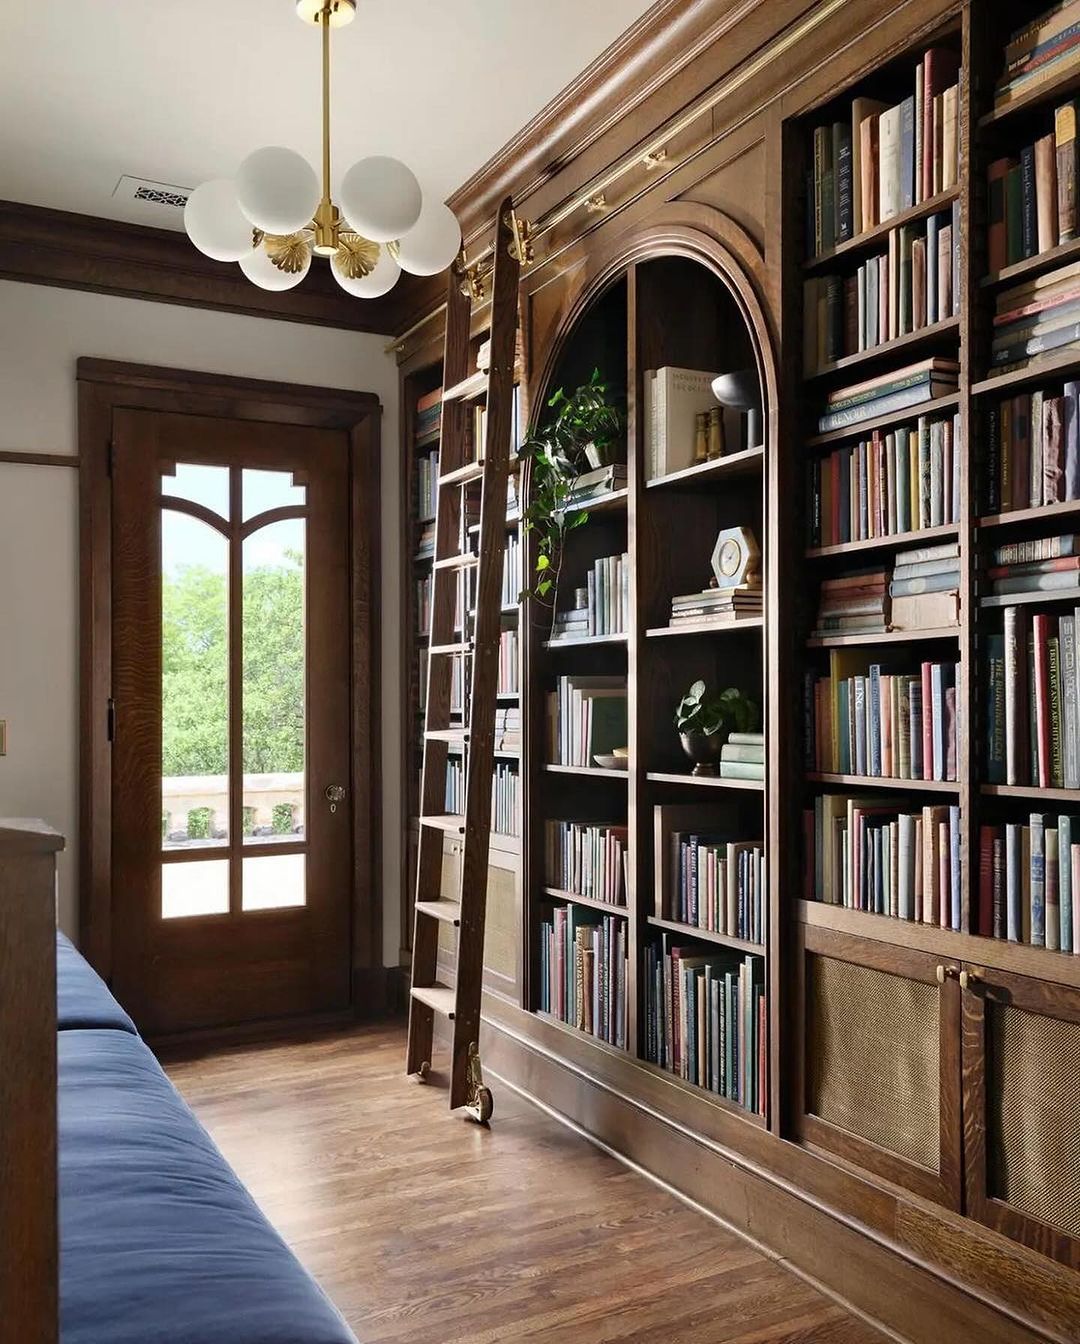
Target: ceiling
[[178, 91]]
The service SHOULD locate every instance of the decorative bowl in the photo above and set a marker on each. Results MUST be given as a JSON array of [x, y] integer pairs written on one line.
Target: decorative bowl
[[612, 761]]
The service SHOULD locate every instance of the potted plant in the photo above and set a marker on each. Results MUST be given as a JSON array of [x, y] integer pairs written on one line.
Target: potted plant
[[582, 434], [704, 721]]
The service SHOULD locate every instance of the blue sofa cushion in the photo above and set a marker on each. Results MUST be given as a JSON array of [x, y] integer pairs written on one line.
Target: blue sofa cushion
[[82, 997], [159, 1241]]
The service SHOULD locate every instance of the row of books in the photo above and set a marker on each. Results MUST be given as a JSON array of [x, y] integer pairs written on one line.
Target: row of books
[[509, 682], [886, 858], [1029, 882], [606, 609], [586, 717], [743, 756], [889, 392], [1033, 198], [1041, 51], [588, 859], [862, 720], [911, 285], [883, 159], [674, 398], [427, 486], [424, 588], [511, 573], [719, 606], [897, 480], [583, 971], [1036, 317], [1033, 449], [505, 794], [1015, 578], [428, 413], [718, 885], [920, 592], [1033, 700], [705, 1019]]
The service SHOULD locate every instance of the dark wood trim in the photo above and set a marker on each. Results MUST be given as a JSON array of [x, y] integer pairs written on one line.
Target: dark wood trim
[[54, 247], [106, 386], [39, 459]]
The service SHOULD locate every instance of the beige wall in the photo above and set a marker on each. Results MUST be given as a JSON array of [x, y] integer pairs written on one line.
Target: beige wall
[[42, 333]]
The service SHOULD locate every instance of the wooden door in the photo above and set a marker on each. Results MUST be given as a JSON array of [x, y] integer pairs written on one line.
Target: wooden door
[[1021, 1055], [231, 816], [881, 1060]]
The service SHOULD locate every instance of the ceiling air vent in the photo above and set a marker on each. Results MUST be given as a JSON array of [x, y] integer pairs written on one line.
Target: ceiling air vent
[[163, 194]]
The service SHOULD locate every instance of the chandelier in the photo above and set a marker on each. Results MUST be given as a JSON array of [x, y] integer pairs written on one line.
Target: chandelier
[[273, 218]]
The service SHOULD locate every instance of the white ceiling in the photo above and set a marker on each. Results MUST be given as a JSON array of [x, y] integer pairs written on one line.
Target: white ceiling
[[179, 91]]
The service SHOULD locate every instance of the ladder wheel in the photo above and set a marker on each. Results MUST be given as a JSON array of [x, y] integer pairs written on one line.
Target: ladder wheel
[[485, 1105], [421, 1074]]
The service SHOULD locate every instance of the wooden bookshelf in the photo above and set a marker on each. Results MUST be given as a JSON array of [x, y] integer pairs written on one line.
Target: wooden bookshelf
[[693, 932], [874, 237], [909, 345], [892, 541], [830, 780], [951, 402]]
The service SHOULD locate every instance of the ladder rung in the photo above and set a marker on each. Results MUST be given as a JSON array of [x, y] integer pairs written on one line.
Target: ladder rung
[[449, 822], [449, 649], [453, 735], [439, 997], [471, 471], [464, 561], [448, 911]]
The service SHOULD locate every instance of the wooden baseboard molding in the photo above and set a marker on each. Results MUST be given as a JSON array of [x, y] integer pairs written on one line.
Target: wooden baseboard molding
[[900, 1291], [380, 991]]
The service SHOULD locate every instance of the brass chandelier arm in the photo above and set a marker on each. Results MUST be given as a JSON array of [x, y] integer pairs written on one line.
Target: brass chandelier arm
[[325, 25]]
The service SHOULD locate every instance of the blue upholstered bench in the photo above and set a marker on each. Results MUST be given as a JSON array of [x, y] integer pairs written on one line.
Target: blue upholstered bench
[[159, 1241]]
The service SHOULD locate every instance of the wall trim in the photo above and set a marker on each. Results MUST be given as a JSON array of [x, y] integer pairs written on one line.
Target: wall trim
[[39, 459]]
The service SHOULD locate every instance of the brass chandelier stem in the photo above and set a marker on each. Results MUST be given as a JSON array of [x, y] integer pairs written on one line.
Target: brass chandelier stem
[[327, 218]]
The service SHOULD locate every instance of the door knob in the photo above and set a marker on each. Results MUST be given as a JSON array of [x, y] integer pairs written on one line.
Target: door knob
[[334, 795], [945, 972], [969, 979]]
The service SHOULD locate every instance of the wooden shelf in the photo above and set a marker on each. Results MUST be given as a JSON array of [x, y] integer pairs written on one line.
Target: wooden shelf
[[883, 782], [587, 771], [1032, 793], [731, 1108], [894, 541], [857, 637], [608, 907], [1035, 370], [619, 1051], [1019, 958], [935, 404], [748, 462], [867, 239], [705, 781], [706, 628], [1029, 599], [706, 935], [1032, 266], [584, 641], [897, 346], [613, 502], [1048, 513], [1049, 94]]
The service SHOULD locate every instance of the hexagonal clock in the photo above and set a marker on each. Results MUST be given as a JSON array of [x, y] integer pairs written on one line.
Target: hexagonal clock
[[735, 556]]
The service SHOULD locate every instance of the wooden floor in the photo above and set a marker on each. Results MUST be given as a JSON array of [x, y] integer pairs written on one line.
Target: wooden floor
[[425, 1227]]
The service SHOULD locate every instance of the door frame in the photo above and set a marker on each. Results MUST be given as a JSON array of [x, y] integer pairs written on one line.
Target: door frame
[[105, 386]]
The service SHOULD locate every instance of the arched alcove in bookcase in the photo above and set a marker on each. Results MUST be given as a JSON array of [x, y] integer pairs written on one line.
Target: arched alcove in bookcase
[[684, 293]]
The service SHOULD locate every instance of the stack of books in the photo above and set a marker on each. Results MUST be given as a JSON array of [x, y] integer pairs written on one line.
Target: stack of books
[[1033, 198], [570, 623], [884, 159], [1033, 700], [583, 971], [854, 604], [1033, 448], [705, 1019], [1036, 317], [507, 728], [428, 413], [596, 484], [509, 657], [911, 285], [1052, 567], [924, 591], [885, 858], [587, 859], [511, 575], [743, 756], [888, 392], [862, 720], [426, 546], [423, 604], [718, 606], [718, 885], [586, 717], [505, 799], [1042, 51], [1029, 882], [897, 480], [427, 486]]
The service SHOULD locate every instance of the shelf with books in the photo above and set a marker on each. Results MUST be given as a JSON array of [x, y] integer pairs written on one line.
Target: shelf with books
[[1032, 793], [882, 782], [614, 500], [1030, 267], [1037, 97], [584, 641], [943, 333], [950, 402], [705, 935], [1045, 513], [742, 623], [879, 232], [1039, 368], [1027, 599], [883, 637], [750, 461], [586, 771], [704, 781], [608, 907], [889, 541]]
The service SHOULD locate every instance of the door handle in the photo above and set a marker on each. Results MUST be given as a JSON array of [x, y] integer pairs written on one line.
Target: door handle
[[946, 972], [334, 795], [969, 979]]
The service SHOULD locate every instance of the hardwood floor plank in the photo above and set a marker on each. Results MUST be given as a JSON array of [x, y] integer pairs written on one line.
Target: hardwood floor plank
[[427, 1228]]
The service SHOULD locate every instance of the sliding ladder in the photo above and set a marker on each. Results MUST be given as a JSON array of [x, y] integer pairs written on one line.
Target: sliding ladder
[[450, 639]]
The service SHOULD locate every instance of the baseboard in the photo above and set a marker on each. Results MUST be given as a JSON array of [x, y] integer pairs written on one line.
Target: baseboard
[[905, 1297], [380, 991]]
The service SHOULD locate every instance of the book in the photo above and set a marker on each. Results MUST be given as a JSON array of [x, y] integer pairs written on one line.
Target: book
[[674, 397]]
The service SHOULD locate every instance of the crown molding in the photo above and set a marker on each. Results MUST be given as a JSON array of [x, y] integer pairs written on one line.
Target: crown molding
[[53, 247]]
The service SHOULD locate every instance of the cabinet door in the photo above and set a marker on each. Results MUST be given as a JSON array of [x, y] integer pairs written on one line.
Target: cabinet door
[[1021, 1058], [880, 1083]]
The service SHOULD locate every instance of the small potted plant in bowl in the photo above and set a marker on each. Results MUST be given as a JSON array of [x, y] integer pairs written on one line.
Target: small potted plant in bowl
[[704, 721]]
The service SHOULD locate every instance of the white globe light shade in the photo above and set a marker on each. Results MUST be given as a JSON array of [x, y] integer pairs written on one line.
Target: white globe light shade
[[261, 271], [380, 198], [277, 190], [216, 224], [380, 281], [433, 243]]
